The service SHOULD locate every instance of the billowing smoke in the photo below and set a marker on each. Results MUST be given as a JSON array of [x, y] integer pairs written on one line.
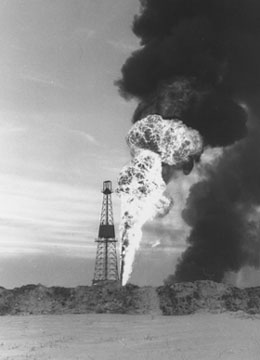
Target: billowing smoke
[[199, 61], [152, 141]]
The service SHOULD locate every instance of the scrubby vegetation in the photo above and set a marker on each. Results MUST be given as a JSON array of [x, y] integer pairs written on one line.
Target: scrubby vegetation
[[175, 299]]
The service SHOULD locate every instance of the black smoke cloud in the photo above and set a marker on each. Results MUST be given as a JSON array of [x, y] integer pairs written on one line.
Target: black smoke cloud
[[222, 212], [199, 61], [207, 50]]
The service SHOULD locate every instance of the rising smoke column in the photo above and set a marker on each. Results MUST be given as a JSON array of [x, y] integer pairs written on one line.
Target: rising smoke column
[[152, 141], [223, 211], [141, 188], [199, 60]]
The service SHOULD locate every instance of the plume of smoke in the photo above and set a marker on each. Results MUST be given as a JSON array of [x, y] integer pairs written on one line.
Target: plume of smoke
[[152, 141], [223, 213], [196, 58], [199, 60]]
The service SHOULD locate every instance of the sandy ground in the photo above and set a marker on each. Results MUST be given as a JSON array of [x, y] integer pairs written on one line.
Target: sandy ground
[[104, 337]]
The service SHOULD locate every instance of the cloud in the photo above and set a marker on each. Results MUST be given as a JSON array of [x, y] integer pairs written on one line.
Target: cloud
[[82, 134], [47, 216], [50, 180], [41, 79], [45, 149]]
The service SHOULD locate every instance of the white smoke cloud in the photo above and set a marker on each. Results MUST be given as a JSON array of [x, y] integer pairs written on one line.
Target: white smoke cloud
[[141, 188], [152, 141]]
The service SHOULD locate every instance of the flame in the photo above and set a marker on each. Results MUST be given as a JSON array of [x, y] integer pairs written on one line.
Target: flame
[[171, 139], [141, 187], [152, 141]]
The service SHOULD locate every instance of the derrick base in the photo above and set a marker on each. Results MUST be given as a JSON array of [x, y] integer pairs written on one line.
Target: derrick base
[[106, 267]]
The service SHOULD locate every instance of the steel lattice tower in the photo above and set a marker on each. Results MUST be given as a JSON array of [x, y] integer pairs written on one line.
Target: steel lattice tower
[[106, 267]]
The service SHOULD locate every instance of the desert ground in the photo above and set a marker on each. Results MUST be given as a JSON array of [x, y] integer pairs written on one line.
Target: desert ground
[[225, 336]]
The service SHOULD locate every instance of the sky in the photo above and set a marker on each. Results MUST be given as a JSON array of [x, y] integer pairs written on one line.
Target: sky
[[62, 133]]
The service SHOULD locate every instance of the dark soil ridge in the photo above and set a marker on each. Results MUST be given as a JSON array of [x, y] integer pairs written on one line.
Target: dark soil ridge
[[176, 299]]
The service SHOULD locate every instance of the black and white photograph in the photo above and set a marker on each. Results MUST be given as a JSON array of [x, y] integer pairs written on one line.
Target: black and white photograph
[[129, 179]]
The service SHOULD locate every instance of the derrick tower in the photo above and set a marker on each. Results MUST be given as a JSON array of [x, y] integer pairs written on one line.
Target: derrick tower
[[106, 267]]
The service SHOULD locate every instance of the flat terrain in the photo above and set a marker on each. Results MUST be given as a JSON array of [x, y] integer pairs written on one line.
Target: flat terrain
[[202, 336]]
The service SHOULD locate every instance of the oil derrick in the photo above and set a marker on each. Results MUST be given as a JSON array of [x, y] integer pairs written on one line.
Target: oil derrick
[[106, 267]]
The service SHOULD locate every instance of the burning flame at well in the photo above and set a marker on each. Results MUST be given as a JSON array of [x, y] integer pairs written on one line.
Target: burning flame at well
[[198, 61], [152, 142]]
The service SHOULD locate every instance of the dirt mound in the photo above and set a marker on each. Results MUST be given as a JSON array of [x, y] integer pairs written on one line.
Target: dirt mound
[[105, 298], [190, 297], [175, 299]]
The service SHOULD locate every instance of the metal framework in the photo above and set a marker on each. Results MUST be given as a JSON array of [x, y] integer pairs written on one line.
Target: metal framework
[[106, 265]]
